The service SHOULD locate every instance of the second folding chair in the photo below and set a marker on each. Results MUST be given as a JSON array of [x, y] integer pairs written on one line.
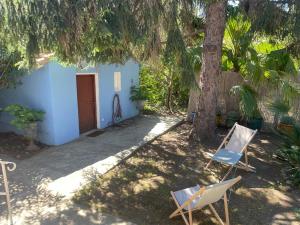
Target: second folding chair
[[197, 197]]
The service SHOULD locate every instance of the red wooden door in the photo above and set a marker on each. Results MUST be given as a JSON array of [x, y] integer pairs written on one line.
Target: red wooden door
[[86, 102]]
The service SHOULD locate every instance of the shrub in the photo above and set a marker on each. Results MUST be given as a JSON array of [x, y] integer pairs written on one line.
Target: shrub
[[248, 100], [288, 120], [232, 117], [164, 89], [290, 151], [10, 72], [23, 116], [137, 93], [279, 107]]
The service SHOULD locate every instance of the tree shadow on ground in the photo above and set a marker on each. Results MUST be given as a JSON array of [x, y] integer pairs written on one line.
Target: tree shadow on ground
[[138, 190]]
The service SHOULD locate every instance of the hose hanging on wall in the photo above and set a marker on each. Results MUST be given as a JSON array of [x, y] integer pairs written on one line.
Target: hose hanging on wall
[[116, 110]]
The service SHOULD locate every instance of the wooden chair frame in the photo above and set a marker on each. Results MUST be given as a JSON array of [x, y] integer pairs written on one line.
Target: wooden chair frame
[[189, 220], [7, 166], [240, 165]]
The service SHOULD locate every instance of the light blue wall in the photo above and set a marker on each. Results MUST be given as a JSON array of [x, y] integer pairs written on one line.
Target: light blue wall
[[64, 103], [53, 90], [34, 92], [64, 95], [129, 77]]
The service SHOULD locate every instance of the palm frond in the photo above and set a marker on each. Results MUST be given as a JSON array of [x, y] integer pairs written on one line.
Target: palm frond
[[279, 107], [248, 100]]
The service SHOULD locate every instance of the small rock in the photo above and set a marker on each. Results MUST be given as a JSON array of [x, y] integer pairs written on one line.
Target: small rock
[[18, 156]]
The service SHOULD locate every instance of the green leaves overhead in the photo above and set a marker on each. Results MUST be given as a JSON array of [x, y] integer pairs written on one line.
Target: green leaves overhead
[[279, 107], [279, 18], [262, 60], [9, 71], [74, 29], [108, 30], [104, 31], [281, 60], [237, 40], [115, 30]]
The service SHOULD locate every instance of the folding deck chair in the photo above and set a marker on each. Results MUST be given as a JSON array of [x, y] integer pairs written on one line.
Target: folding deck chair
[[7, 166], [239, 138], [197, 197]]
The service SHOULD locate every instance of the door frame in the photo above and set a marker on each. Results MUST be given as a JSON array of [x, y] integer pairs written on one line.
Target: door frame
[[97, 96]]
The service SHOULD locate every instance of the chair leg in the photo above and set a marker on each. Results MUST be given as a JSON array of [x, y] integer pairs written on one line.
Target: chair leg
[[190, 217], [246, 157], [7, 193], [175, 213], [216, 214], [226, 209], [208, 164], [245, 167], [227, 174]]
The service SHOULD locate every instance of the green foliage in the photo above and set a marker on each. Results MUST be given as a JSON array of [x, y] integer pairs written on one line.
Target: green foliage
[[292, 155], [281, 61], [194, 53], [165, 79], [267, 45], [291, 152], [276, 18], [273, 67], [100, 31], [237, 42], [23, 116], [280, 69], [288, 120], [248, 100], [113, 31], [137, 93], [155, 83], [261, 60], [162, 84], [9, 70], [232, 118], [279, 107]]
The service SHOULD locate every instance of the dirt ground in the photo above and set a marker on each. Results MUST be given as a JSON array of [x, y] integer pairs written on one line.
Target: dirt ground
[[15, 145], [138, 190]]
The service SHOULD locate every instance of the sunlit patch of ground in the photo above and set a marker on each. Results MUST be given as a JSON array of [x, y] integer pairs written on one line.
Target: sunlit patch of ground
[[138, 190]]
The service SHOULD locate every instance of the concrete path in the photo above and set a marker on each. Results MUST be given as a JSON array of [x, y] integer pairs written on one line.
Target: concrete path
[[42, 186]]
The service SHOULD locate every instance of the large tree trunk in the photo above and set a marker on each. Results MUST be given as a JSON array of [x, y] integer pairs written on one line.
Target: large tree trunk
[[193, 99], [205, 123]]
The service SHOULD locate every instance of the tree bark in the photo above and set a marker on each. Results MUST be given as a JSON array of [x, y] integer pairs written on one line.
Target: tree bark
[[205, 124], [193, 98], [170, 92]]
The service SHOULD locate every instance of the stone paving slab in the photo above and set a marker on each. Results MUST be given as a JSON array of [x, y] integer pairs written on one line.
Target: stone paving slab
[[41, 186]]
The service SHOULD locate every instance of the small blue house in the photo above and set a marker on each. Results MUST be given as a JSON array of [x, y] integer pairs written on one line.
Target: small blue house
[[74, 101]]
